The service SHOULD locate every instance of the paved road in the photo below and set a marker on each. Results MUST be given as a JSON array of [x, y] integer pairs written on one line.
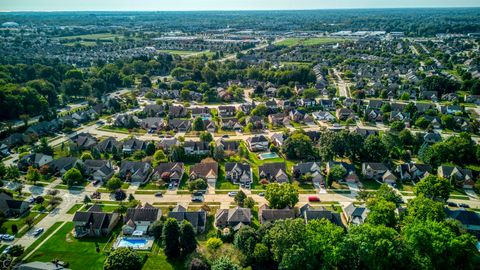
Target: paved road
[[342, 86]]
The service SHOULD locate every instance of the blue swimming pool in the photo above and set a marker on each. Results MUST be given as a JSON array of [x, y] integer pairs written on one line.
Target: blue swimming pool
[[268, 155], [135, 243]]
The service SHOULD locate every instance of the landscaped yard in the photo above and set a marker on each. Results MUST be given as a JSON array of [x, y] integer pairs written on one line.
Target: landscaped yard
[[79, 253], [20, 222], [75, 208]]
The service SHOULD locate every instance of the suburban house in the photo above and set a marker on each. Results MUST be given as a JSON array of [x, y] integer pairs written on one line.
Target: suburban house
[[279, 119], [378, 171], [108, 145], [138, 220], [355, 215], [10, 207], [35, 160], [94, 222], [365, 132], [230, 146], [166, 143], [84, 141], [273, 172], [469, 220], [413, 171], [344, 114], [238, 173], [308, 212], [266, 214], [226, 111], [198, 219], [135, 171], [231, 124], [196, 148], [202, 112], [323, 116], [168, 171], [312, 168], [209, 125], [234, 217], [99, 170], [61, 165], [152, 123], [432, 137], [256, 121], [153, 110], [180, 125], [257, 143], [175, 111], [462, 177], [277, 139], [350, 175], [131, 145], [206, 170]]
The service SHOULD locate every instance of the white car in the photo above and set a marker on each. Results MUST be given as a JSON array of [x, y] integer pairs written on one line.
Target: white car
[[8, 237], [232, 193], [38, 231]]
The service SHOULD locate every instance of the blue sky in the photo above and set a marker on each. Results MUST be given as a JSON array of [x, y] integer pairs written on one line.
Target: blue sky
[[100, 5]]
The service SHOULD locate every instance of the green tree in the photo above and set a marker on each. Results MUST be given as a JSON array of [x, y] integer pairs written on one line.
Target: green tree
[[86, 156], [224, 263], [298, 146], [44, 148], [422, 122], [73, 177], [198, 124], [433, 187], [336, 173], [150, 150], [382, 212], [114, 183], [33, 175], [282, 236], [177, 153], [156, 229], [374, 150], [261, 253], [261, 110], [158, 157], [310, 93], [188, 242], [448, 121], [245, 240], [206, 137], [324, 242], [397, 126], [421, 208], [240, 198], [123, 259], [213, 243], [280, 196], [171, 238]]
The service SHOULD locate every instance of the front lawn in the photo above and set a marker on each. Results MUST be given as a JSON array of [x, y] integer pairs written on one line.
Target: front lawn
[[75, 208], [158, 260], [79, 253], [20, 222]]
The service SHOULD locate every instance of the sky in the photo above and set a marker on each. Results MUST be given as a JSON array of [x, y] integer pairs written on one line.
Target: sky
[[170, 5]]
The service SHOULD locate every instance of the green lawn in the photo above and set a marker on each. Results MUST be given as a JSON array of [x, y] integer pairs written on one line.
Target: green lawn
[[101, 36], [309, 41], [79, 253], [186, 53], [75, 208], [20, 222], [42, 237], [159, 261]]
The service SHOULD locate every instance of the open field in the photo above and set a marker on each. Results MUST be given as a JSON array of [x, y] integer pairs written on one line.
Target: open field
[[310, 41], [101, 36], [186, 53]]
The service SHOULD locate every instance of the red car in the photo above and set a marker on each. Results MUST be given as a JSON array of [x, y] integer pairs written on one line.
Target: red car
[[313, 199]]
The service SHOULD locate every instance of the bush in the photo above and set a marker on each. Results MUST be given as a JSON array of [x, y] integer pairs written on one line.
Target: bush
[[214, 243]]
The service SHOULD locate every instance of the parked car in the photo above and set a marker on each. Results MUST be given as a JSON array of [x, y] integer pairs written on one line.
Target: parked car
[[452, 204], [7, 237], [7, 250], [232, 193], [313, 199], [464, 205], [38, 231], [225, 136], [197, 199], [261, 194], [158, 194]]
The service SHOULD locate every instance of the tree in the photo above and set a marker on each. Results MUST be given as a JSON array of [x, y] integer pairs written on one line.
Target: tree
[[150, 150], [188, 242], [433, 187], [280, 196], [249, 203], [240, 198], [336, 173], [382, 212], [156, 229], [86, 156], [422, 122], [198, 264], [298, 146], [177, 153], [114, 183], [145, 82], [158, 157], [16, 250], [374, 149], [421, 209], [12, 173], [206, 137], [123, 259], [436, 245], [14, 229], [33, 175], [171, 238], [310, 93], [245, 240], [213, 243], [218, 153], [198, 124], [224, 263], [86, 200], [261, 110], [448, 121], [44, 148], [197, 184], [373, 247], [73, 177], [261, 253], [397, 126], [324, 242], [284, 235]]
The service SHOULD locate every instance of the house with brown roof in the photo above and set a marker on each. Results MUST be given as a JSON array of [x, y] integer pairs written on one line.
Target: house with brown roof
[[233, 217], [177, 111], [207, 170], [138, 220], [266, 214], [94, 222], [168, 171], [378, 171]]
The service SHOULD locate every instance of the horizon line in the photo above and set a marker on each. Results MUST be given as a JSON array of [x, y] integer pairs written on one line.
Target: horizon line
[[230, 10]]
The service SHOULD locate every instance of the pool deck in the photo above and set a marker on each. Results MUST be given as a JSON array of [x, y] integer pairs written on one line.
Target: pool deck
[[147, 246]]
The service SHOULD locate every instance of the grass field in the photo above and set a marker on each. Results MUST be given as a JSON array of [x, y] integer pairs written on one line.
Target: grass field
[[75, 208], [20, 222], [79, 253], [101, 36], [309, 41], [186, 53]]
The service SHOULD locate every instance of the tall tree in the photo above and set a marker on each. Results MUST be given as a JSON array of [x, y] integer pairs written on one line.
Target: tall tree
[[171, 238], [188, 242]]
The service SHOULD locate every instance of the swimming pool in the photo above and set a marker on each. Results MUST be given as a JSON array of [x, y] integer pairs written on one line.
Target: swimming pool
[[135, 243], [268, 155]]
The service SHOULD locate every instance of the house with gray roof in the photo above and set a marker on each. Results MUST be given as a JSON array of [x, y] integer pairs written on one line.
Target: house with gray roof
[[266, 214], [238, 172], [135, 171], [314, 169], [168, 171], [138, 220], [355, 215], [198, 219], [308, 213], [98, 170], [461, 177], [94, 222], [233, 217], [273, 172], [10, 207]]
